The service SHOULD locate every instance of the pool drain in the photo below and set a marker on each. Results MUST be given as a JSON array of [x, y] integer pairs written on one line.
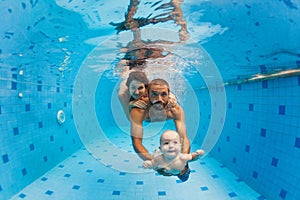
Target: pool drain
[[61, 117]]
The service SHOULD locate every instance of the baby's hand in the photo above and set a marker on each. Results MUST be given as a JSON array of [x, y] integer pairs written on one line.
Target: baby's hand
[[199, 152], [148, 164]]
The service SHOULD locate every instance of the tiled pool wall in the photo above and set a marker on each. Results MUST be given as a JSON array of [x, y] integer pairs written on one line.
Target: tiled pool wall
[[32, 142], [36, 80], [260, 141]]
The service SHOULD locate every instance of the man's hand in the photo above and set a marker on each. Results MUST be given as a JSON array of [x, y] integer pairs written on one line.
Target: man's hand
[[148, 164]]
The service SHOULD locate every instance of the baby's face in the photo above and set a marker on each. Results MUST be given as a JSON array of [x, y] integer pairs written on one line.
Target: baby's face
[[170, 144]]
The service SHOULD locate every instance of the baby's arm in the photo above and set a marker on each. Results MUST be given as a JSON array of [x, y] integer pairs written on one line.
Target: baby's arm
[[192, 156]]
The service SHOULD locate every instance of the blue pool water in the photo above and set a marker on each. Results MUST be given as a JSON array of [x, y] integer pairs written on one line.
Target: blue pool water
[[233, 65]]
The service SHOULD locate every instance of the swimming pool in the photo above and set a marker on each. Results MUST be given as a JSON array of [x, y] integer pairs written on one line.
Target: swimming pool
[[234, 67]]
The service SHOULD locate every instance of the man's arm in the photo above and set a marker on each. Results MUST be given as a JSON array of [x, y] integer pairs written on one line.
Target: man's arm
[[136, 130], [179, 120]]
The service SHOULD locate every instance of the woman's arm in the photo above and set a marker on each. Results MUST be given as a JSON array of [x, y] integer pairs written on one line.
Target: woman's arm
[[124, 98]]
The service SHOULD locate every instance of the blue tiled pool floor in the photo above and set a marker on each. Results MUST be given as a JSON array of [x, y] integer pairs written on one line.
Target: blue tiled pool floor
[[112, 175], [82, 177]]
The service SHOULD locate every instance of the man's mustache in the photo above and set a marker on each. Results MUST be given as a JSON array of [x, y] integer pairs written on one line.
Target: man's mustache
[[157, 102]]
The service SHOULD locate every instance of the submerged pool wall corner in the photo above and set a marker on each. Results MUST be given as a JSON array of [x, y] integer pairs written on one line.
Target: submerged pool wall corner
[[32, 90], [260, 141], [31, 140]]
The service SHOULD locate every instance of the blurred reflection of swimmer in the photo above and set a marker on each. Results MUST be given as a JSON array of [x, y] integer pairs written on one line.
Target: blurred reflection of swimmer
[[170, 12], [138, 52]]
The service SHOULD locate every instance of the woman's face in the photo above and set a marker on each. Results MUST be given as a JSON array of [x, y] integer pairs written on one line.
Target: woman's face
[[137, 89]]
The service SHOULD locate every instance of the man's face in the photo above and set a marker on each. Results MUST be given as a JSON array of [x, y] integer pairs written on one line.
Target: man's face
[[159, 96]]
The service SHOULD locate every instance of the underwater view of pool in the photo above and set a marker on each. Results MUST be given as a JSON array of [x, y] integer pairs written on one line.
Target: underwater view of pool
[[233, 67]]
